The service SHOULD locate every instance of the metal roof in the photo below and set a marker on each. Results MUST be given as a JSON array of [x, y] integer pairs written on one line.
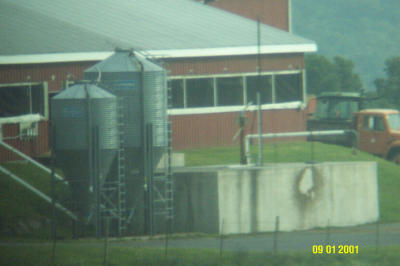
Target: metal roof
[[78, 91], [162, 28], [123, 61]]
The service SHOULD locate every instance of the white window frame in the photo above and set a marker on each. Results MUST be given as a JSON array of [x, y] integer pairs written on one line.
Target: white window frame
[[27, 84], [216, 108]]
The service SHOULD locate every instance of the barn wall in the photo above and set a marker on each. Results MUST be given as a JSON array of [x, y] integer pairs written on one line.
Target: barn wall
[[188, 130], [271, 12], [237, 64], [32, 146], [218, 129], [54, 74]]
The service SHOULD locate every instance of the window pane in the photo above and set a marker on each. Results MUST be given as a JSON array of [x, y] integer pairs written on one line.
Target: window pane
[[288, 88], [230, 91], [394, 121], [19, 100], [200, 92], [379, 123], [265, 89], [376, 123], [176, 86]]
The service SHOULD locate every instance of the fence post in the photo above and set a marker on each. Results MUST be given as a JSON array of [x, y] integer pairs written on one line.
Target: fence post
[[107, 224], [377, 236], [221, 239], [166, 237], [328, 233], [276, 234]]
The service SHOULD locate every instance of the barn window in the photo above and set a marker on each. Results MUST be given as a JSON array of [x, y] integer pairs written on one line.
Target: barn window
[[288, 88], [200, 92], [23, 98], [253, 83], [177, 93], [230, 91]]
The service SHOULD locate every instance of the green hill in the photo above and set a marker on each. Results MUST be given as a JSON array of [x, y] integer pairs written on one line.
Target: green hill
[[365, 31]]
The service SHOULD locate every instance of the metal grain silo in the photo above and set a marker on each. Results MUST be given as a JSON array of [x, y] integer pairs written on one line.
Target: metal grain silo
[[141, 86], [84, 121]]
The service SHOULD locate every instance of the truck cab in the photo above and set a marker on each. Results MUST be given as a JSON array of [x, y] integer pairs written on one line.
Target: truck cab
[[379, 132], [334, 111]]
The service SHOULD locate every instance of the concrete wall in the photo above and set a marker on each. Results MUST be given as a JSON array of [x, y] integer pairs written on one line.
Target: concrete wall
[[247, 200], [196, 202]]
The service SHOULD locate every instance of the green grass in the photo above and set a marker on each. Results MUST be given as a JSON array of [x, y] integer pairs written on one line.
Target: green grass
[[282, 152], [22, 213], [85, 254]]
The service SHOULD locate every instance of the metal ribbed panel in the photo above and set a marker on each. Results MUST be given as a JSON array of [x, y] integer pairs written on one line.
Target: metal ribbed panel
[[121, 74], [155, 105], [70, 116]]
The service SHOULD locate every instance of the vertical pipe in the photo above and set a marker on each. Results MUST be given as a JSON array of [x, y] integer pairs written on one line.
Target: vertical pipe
[[276, 232], [30, 94], [96, 176], [53, 196], [258, 50], [244, 84], [247, 147], [215, 91], [143, 167], [260, 141], [304, 85], [241, 125], [260, 144], [184, 94], [149, 175]]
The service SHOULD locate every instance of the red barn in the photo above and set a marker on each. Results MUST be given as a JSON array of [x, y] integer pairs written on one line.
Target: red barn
[[211, 56]]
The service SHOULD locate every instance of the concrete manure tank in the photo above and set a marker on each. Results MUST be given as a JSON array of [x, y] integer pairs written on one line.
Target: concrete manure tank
[[76, 111]]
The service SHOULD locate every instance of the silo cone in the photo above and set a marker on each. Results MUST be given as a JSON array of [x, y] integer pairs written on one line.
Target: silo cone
[[76, 113]]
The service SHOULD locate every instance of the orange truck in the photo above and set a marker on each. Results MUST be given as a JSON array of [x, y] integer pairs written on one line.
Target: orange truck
[[379, 132]]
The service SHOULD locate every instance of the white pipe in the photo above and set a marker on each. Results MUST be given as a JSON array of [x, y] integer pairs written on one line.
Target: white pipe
[[26, 157], [294, 134], [37, 192]]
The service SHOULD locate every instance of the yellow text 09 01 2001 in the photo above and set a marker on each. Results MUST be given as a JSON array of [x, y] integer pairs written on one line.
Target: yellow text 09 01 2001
[[335, 249]]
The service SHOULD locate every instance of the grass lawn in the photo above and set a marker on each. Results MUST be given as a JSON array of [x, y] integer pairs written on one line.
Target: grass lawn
[[86, 254], [24, 213], [388, 172]]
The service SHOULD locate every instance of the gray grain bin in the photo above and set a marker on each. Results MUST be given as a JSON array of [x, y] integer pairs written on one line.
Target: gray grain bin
[[136, 80], [77, 111], [141, 88]]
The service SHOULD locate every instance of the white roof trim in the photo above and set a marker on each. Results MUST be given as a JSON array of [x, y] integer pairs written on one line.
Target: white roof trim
[[53, 58], [230, 109], [29, 118], [228, 51], [175, 53]]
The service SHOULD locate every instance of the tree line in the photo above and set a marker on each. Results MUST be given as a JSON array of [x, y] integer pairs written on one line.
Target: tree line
[[337, 74]]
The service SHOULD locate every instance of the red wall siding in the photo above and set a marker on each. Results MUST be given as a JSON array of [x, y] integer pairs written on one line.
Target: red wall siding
[[207, 130], [237, 64], [43, 72], [271, 12], [188, 130], [33, 147], [175, 67]]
